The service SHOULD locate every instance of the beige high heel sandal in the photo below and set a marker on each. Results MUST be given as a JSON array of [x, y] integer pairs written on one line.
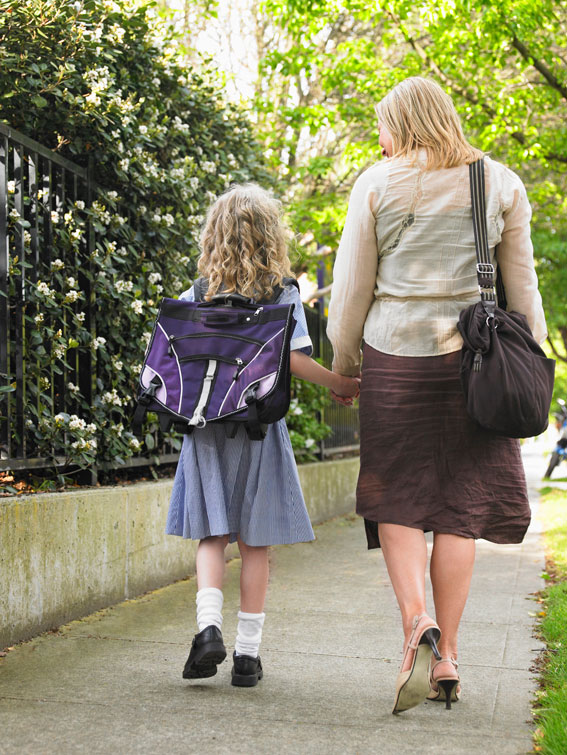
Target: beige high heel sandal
[[412, 685], [445, 689]]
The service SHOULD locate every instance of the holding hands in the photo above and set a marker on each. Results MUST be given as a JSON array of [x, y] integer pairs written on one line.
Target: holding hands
[[346, 389]]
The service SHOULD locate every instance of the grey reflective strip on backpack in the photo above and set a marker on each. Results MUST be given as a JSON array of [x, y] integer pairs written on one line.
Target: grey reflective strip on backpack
[[197, 418]]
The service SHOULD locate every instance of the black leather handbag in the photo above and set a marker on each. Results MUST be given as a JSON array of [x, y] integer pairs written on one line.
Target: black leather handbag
[[506, 377]]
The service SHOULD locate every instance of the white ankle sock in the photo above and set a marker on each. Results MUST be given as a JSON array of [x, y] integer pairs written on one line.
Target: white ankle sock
[[249, 633], [209, 607]]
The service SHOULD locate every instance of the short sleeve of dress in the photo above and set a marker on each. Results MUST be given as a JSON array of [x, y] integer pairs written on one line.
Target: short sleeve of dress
[[300, 339], [188, 295]]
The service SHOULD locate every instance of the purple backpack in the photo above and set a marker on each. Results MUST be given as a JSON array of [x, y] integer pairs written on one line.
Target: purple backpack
[[226, 360]]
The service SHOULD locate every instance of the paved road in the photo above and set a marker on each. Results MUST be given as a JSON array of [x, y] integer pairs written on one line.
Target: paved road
[[111, 683]]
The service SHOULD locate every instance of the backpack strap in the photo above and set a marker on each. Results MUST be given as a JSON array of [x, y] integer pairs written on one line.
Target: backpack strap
[[200, 287], [144, 400]]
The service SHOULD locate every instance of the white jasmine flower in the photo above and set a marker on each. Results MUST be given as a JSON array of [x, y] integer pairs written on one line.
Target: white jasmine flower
[[124, 164], [68, 218], [136, 368], [134, 444], [91, 427], [76, 423], [44, 289], [80, 205], [122, 286], [57, 264], [11, 187], [118, 364], [154, 278], [169, 219], [39, 318], [54, 217], [137, 306], [76, 234], [27, 238], [111, 398], [208, 166], [112, 194], [73, 388], [156, 217], [59, 419], [80, 316], [71, 282], [156, 82], [14, 214], [143, 129], [72, 296], [98, 341]]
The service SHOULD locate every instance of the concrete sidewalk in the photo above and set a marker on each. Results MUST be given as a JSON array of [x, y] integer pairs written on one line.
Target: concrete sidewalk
[[111, 683]]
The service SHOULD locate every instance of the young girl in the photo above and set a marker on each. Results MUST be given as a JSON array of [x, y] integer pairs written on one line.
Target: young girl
[[229, 489]]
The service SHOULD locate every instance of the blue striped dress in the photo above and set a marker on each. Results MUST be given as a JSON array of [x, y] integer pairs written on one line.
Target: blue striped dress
[[237, 486]]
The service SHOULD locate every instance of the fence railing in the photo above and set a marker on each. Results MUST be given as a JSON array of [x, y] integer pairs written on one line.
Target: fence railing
[[36, 185]]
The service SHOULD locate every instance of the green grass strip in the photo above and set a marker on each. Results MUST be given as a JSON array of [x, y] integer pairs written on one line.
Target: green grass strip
[[551, 734]]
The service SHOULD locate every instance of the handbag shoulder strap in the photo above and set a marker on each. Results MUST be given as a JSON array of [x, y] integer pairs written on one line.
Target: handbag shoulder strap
[[484, 267]]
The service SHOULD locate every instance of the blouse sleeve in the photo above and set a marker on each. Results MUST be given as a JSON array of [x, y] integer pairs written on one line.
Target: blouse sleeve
[[515, 257], [188, 295], [354, 280], [300, 338]]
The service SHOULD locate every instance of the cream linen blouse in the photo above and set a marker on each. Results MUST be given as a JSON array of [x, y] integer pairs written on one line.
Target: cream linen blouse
[[406, 264]]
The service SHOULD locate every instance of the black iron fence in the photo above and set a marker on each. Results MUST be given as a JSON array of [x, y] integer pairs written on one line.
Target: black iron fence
[[36, 187]]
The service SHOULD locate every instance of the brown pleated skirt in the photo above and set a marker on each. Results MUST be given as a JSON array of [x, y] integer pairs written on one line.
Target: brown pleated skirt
[[424, 463]]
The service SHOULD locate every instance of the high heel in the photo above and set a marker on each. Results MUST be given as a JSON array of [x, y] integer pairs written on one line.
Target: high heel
[[430, 636], [447, 685], [447, 689], [412, 684]]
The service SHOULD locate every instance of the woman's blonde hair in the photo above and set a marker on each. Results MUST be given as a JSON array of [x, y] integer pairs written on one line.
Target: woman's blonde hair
[[419, 114], [244, 243]]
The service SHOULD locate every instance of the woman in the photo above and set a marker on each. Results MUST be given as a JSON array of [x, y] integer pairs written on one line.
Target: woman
[[405, 268]]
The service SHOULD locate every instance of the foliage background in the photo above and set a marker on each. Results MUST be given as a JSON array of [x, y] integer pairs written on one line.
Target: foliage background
[[106, 84]]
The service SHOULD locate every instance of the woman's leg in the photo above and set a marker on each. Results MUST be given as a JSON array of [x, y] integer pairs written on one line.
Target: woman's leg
[[405, 553], [210, 562], [452, 562]]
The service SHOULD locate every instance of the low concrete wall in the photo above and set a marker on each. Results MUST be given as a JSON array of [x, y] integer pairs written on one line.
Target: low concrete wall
[[64, 555]]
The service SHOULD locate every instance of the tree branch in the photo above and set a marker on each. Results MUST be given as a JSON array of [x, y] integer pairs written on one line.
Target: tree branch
[[469, 97], [540, 66], [554, 350]]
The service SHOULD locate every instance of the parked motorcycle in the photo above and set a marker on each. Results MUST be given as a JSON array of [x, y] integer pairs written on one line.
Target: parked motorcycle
[[560, 451]]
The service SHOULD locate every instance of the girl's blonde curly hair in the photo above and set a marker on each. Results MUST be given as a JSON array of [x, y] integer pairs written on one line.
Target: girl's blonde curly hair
[[244, 244]]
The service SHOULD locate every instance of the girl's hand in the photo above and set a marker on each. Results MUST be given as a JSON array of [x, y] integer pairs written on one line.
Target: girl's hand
[[346, 389]]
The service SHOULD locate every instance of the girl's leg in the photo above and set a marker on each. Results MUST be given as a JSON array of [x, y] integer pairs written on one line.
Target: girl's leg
[[210, 563], [405, 553], [210, 566], [253, 587], [253, 577], [207, 648], [452, 562]]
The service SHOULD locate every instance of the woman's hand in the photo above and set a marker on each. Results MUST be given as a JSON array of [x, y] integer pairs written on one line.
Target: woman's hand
[[345, 389]]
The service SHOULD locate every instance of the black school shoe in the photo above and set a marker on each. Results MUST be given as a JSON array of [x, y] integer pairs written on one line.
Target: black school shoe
[[207, 651], [246, 670]]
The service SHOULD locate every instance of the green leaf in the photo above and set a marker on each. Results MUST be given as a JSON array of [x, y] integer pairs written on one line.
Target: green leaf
[[39, 101]]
